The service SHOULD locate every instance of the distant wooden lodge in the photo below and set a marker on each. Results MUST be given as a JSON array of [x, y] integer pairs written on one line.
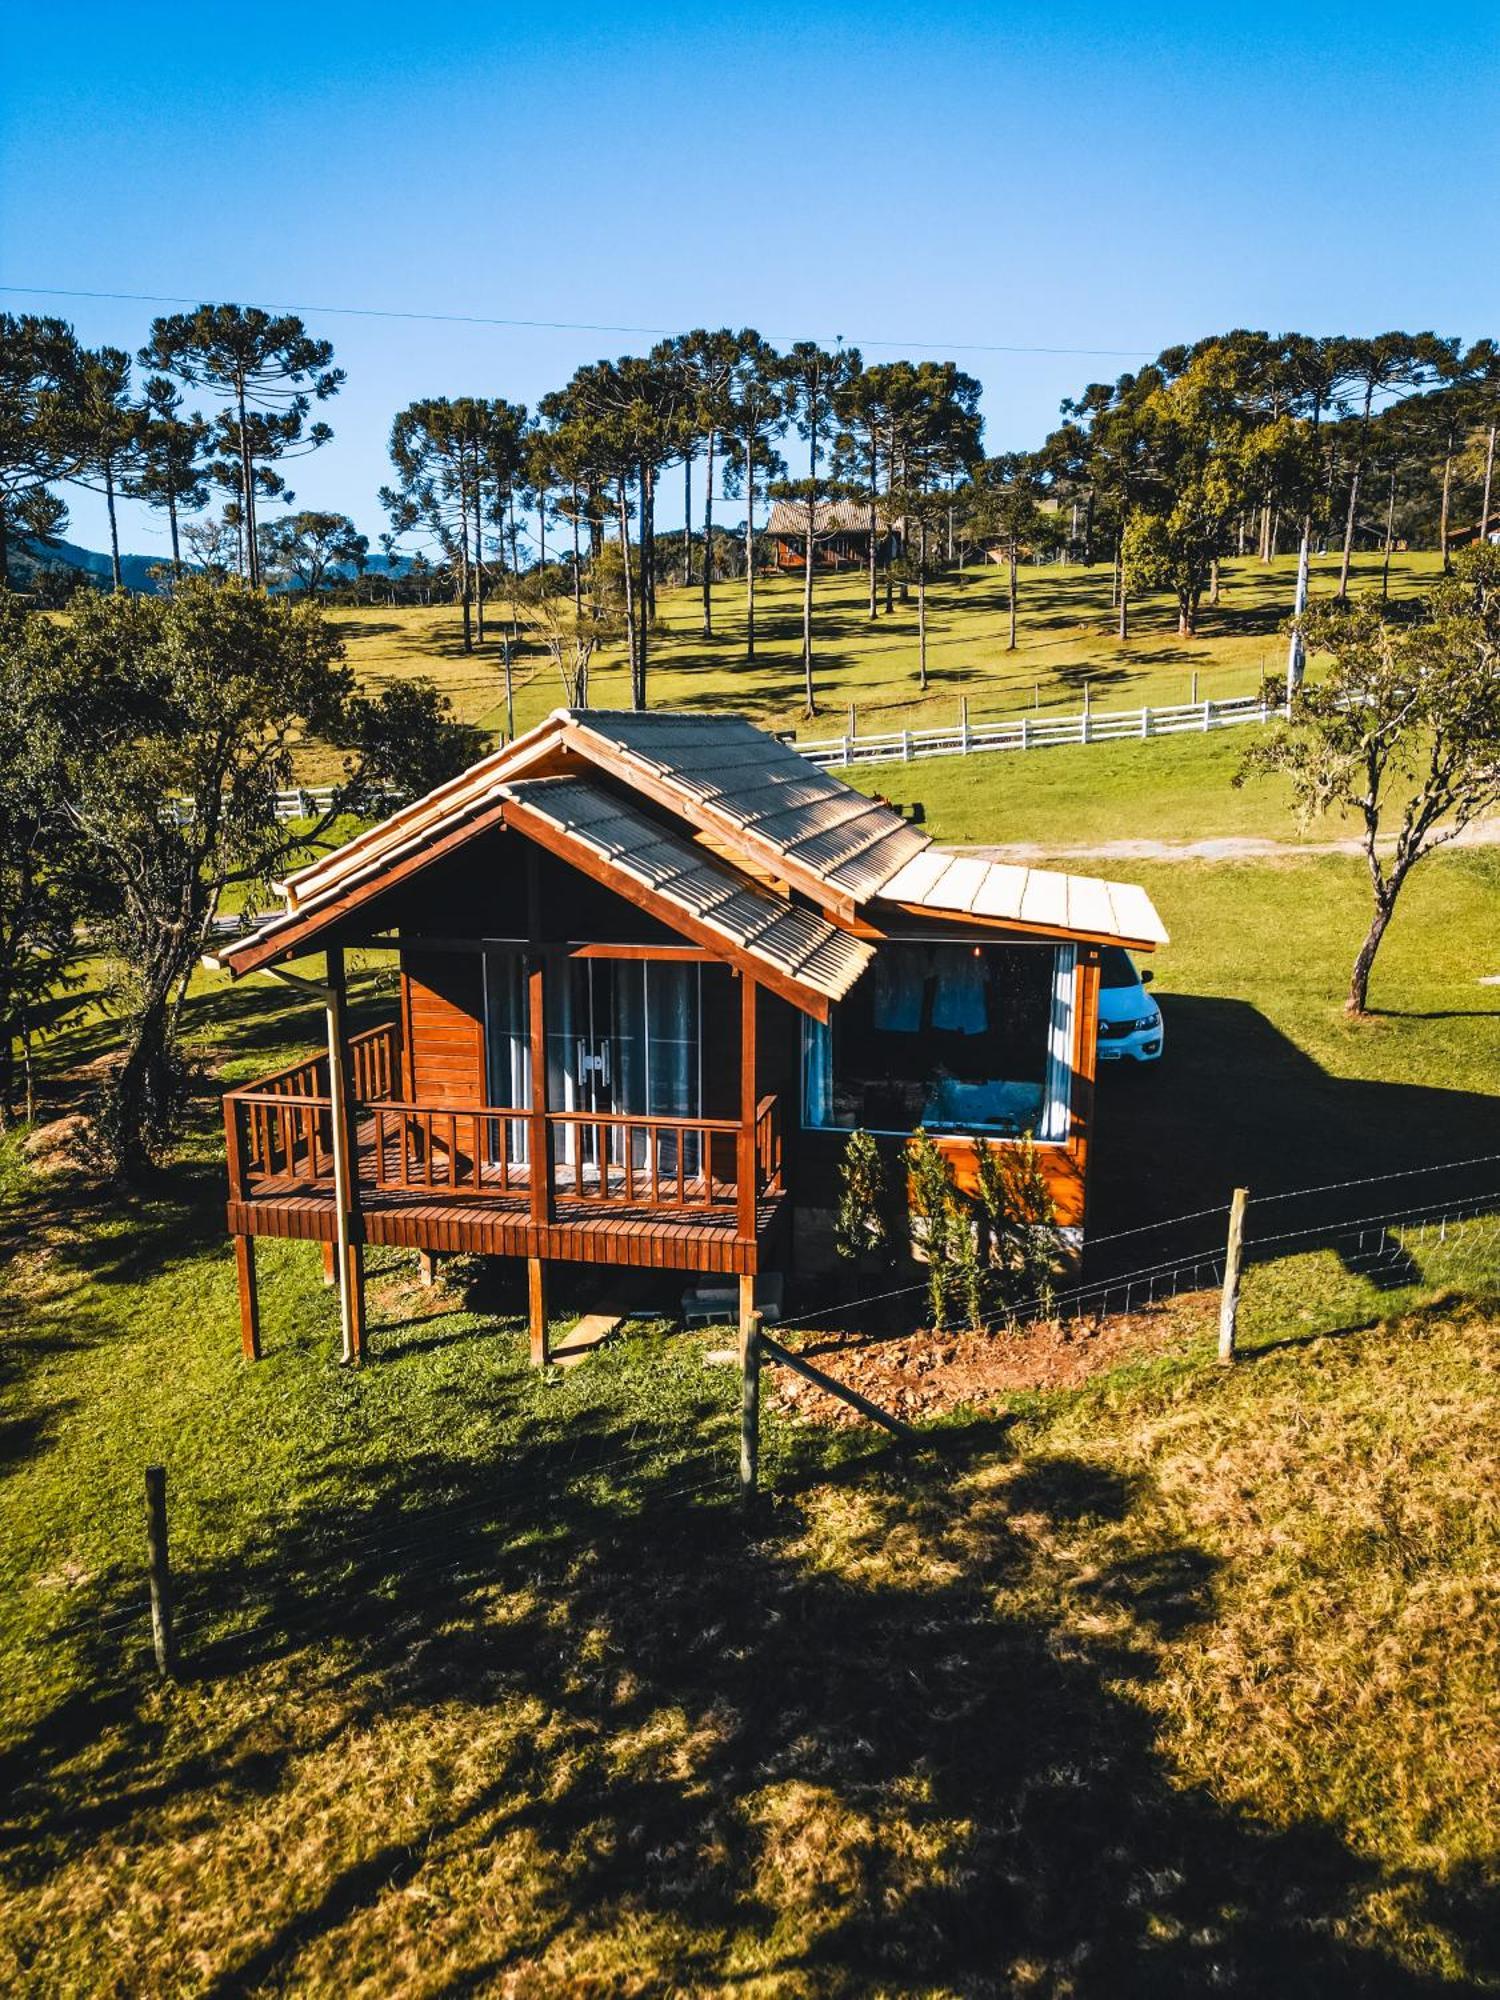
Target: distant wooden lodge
[[841, 534], [654, 968]]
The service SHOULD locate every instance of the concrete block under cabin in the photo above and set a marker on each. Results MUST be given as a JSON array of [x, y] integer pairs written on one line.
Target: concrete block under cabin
[[654, 969]]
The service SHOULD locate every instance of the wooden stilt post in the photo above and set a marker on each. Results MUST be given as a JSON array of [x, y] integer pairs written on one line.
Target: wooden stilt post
[[536, 1299], [244, 1262], [426, 1267], [749, 1392], [330, 1264], [159, 1569], [349, 1254], [745, 1164], [1234, 1253]]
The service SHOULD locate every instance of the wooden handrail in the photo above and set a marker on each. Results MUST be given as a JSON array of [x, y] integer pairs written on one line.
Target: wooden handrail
[[484, 1151]]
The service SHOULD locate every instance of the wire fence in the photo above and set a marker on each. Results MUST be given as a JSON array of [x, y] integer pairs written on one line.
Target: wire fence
[[317, 1565]]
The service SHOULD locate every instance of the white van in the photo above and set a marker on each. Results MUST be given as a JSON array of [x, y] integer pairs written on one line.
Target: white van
[[1129, 1023]]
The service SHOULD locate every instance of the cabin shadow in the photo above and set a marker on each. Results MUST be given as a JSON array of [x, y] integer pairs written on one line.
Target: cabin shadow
[[935, 1780], [1234, 1103]]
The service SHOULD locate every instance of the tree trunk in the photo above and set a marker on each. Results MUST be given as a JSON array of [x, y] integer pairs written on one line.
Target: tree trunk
[[1357, 1003], [810, 700], [1186, 614], [1443, 517], [922, 604], [515, 559], [687, 520], [708, 539], [114, 526], [577, 580], [647, 555], [172, 524], [249, 556], [1390, 530], [749, 545], [1011, 594], [874, 515], [1489, 475], [478, 566], [1341, 595], [635, 685], [1213, 588], [463, 567]]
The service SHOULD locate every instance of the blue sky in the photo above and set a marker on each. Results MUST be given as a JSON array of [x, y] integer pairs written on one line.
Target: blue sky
[[1101, 178]]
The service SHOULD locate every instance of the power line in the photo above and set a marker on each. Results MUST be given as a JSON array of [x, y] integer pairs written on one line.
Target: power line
[[560, 325]]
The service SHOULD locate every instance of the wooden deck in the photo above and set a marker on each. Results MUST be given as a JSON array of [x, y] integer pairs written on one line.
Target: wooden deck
[[579, 1232], [458, 1180]]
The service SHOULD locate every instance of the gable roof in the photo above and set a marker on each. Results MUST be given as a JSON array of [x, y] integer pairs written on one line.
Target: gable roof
[[830, 517], [751, 798], [788, 942]]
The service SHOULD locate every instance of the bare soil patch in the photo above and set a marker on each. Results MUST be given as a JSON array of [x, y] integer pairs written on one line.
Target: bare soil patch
[[927, 1374]]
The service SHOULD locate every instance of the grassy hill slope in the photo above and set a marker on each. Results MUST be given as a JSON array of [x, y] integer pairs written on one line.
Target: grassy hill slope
[[1066, 637]]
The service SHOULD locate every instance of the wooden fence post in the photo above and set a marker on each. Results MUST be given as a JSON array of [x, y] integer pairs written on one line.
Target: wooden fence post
[[163, 1640], [1234, 1253], [749, 1408]]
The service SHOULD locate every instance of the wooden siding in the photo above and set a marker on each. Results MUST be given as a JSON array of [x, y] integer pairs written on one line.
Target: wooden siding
[[442, 1016]]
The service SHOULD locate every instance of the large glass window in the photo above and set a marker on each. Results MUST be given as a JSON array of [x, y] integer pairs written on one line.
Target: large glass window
[[955, 1037]]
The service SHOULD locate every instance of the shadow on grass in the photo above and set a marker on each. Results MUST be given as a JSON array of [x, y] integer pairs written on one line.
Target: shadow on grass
[[926, 1773], [1234, 1103]]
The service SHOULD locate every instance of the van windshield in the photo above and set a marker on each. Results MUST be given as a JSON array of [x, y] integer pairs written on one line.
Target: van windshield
[[1115, 968]]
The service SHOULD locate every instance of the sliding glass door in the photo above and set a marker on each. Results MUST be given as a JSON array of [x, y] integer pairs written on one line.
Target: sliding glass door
[[624, 1041]]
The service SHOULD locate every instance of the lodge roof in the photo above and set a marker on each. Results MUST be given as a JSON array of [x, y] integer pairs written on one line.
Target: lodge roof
[[830, 517], [763, 809], [798, 943], [1041, 899]]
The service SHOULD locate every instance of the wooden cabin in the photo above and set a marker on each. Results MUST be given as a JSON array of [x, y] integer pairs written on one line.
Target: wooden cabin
[[841, 534], [654, 968]]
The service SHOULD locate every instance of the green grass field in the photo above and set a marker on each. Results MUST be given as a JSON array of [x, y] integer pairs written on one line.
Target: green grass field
[[1066, 637], [1179, 1681]]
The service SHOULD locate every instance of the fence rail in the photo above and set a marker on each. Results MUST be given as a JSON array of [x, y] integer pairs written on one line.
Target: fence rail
[[1038, 732]]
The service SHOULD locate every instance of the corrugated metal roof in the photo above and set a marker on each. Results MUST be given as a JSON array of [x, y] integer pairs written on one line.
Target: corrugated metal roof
[[830, 517], [797, 943], [740, 778], [963, 885]]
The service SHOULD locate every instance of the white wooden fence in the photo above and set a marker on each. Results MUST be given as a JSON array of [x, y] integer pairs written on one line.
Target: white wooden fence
[[307, 802], [1037, 732]]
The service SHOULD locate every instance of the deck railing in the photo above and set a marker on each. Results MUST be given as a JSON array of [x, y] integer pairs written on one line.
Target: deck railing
[[279, 1134]]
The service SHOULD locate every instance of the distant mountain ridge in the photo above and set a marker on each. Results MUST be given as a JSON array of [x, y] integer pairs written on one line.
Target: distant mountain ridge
[[28, 557]]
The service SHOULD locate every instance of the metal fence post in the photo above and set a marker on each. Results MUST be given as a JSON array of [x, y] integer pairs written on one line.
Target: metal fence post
[[1234, 1252], [163, 1639]]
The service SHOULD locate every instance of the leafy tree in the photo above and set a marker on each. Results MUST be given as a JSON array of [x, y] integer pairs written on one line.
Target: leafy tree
[[305, 548], [1194, 431], [199, 697], [1386, 365], [756, 416], [439, 449], [39, 440], [710, 360], [269, 370], [867, 407], [406, 742], [42, 891], [815, 380], [170, 470], [108, 431], [1006, 503], [936, 435], [1403, 730]]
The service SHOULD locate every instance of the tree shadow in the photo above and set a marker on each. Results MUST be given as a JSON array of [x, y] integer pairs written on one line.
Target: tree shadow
[[931, 1772], [1235, 1103]]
